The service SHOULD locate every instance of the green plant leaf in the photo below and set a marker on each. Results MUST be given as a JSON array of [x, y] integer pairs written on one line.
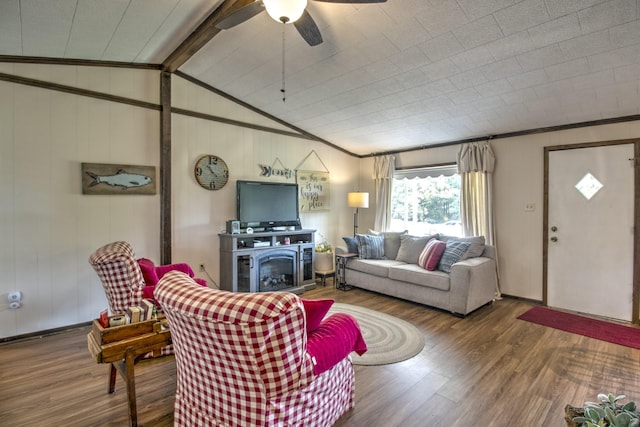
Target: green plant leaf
[[623, 420], [610, 415], [594, 413]]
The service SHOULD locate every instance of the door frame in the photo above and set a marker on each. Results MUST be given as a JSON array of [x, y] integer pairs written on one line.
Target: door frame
[[636, 211]]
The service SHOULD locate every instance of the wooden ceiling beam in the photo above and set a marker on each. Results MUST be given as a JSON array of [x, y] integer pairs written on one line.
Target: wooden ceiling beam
[[202, 35]]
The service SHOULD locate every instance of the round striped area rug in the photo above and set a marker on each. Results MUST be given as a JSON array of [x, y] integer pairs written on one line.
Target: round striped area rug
[[389, 339]]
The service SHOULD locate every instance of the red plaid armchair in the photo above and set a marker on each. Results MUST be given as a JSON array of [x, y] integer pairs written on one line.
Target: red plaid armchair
[[242, 359], [126, 281]]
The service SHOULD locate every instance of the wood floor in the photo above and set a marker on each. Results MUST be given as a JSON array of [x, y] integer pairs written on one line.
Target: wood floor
[[488, 369]]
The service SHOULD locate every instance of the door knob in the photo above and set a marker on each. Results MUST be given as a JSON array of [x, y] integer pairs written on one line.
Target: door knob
[[554, 239], [554, 228]]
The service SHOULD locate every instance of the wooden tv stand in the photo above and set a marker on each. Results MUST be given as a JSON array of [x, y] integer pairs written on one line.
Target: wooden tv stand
[[241, 253]]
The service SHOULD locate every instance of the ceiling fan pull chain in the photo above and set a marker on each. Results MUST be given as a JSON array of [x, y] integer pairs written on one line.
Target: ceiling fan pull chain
[[283, 90]]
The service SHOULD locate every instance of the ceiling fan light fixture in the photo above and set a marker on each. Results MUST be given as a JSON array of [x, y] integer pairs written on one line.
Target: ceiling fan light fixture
[[285, 11]]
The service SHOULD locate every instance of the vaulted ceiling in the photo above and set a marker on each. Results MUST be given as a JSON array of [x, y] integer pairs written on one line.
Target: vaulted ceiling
[[388, 76]]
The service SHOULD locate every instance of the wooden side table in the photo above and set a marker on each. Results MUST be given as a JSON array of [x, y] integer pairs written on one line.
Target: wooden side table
[[324, 274], [124, 346], [341, 266]]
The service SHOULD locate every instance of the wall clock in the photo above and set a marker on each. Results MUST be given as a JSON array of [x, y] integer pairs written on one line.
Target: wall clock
[[211, 172]]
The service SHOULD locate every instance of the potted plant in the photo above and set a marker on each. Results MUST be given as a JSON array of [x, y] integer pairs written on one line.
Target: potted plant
[[606, 412]]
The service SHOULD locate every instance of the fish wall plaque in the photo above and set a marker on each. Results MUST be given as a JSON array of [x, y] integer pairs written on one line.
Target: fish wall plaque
[[103, 178]]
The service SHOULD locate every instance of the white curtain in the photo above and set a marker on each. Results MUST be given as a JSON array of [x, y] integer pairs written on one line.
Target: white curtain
[[383, 169], [476, 162]]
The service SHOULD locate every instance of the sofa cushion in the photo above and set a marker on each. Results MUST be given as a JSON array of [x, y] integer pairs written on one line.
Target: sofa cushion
[[391, 241], [452, 254], [411, 247], [431, 254], [370, 247], [315, 309], [376, 267], [417, 275], [352, 244], [475, 249]]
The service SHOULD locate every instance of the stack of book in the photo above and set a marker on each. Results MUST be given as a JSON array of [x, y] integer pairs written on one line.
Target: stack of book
[[140, 313]]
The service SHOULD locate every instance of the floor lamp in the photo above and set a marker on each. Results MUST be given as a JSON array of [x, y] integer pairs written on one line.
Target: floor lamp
[[357, 200]]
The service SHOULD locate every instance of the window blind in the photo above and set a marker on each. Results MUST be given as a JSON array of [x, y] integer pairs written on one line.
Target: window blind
[[432, 171]]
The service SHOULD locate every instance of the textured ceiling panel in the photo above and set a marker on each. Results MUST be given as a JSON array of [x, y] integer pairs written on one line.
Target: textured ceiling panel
[[46, 27], [11, 39], [405, 73], [94, 24]]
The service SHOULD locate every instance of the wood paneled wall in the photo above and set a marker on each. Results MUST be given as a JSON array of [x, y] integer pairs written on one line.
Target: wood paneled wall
[[48, 228]]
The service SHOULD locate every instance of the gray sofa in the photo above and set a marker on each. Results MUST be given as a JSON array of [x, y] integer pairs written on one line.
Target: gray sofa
[[470, 284]]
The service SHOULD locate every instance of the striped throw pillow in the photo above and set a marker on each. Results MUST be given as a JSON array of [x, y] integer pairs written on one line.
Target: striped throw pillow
[[431, 254], [370, 247], [452, 254]]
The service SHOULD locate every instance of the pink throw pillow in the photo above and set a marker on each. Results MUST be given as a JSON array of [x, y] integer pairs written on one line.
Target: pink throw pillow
[[315, 309], [338, 336], [431, 254], [148, 271]]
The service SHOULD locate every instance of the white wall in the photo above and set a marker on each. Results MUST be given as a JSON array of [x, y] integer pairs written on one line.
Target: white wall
[[200, 214], [47, 227]]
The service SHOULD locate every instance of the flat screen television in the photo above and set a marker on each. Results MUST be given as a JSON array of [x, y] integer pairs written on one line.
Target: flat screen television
[[267, 205]]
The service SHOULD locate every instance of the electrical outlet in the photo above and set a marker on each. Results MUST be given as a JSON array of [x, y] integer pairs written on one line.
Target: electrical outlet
[[201, 267], [14, 296]]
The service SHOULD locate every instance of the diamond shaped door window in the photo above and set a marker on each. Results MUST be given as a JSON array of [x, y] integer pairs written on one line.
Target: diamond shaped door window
[[588, 186]]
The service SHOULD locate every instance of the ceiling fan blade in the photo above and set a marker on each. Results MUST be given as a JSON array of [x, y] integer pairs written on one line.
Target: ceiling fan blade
[[308, 29], [353, 1], [242, 14]]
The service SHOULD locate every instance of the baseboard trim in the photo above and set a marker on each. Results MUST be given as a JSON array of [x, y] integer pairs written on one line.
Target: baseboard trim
[[45, 333], [531, 300]]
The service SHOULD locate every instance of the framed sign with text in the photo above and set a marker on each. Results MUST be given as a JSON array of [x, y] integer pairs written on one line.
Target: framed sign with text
[[313, 190]]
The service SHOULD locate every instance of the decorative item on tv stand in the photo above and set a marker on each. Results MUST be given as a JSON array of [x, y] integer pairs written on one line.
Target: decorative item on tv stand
[[233, 227]]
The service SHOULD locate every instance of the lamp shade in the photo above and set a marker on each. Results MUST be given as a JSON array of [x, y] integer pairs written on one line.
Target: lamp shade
[[286, 11], [358, 200]]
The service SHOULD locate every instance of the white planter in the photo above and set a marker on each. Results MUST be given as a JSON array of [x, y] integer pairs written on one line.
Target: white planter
[[324, 261]]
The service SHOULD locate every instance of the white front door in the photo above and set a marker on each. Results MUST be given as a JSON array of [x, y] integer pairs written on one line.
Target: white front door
[[590, 230]]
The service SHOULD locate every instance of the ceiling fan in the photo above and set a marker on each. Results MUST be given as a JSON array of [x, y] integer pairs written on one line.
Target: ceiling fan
[[285, 11]]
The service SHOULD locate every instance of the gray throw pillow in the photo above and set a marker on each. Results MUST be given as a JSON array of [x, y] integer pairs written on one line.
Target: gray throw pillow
[[411, 247], [370, 247], [391, 241], [476, 248], [452, 254]]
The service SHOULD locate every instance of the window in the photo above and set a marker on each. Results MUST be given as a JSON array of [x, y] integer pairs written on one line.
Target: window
[[426, 201]]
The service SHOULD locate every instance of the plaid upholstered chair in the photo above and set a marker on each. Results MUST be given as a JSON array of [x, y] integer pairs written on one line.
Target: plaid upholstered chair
[[248, 360], [127, 280]]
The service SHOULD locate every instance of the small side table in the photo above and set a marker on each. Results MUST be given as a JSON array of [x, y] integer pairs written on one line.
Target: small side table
[[341, 265], [324, 274], [123, 347]]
